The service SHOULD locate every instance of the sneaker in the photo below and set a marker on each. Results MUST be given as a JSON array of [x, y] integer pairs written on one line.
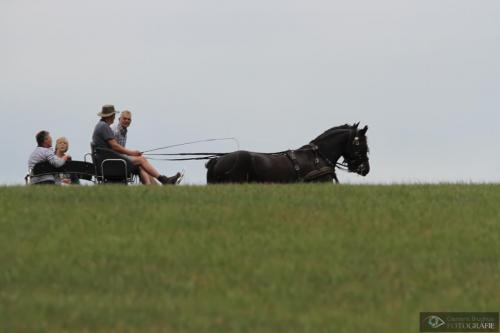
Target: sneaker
[[179, 177], [174, 180]]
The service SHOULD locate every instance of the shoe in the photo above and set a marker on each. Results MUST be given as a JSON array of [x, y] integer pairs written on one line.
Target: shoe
[[174, 180], [179, 178]]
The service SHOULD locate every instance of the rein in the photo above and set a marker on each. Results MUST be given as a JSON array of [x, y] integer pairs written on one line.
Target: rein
[[183, 159], [190, 143], [204, 156], [207, 156]]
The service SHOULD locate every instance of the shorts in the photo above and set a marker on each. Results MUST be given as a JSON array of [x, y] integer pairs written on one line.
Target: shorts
[[130, 164]]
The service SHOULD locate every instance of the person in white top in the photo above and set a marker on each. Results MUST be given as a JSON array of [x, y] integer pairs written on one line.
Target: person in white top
[[121, 128], [61, 149], [121, 131]]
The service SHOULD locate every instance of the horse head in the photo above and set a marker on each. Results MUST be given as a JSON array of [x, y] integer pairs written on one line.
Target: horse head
[[356, 152], [349, 142]]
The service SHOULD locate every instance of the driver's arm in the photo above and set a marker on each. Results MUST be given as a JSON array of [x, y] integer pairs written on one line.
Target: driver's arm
[[120, 149]]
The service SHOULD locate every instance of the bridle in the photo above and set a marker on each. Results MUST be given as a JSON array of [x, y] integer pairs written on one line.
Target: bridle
[[344, 165]]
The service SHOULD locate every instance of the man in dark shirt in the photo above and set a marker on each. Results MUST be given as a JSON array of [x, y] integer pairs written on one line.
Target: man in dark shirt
[[103, 137]]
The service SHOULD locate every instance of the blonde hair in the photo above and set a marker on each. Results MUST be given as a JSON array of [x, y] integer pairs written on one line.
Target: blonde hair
[[62, 140]]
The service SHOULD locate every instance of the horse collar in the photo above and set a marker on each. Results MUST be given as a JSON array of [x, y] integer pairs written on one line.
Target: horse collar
[[315, 149]]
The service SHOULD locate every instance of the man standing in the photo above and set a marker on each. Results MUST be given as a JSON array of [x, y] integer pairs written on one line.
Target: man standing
[[44, 153], [103, 137]]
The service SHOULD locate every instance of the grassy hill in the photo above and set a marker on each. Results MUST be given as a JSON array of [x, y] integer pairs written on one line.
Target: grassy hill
[[259, 258]]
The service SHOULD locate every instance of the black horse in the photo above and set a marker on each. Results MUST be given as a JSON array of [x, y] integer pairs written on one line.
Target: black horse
[[314, 162]]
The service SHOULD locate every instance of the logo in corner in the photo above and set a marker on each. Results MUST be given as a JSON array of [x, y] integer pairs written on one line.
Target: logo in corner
[[434, 321]]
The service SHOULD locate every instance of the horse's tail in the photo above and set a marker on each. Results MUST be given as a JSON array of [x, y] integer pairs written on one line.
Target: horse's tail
[[210, 169]]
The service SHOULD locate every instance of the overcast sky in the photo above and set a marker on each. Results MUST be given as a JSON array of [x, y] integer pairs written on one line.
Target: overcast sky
[[424, 75]]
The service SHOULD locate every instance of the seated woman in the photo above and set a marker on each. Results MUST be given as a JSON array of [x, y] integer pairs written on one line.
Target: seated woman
[[62, 146]]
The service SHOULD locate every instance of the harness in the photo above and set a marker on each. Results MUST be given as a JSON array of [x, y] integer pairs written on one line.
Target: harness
[[290, 154], [317, 172]]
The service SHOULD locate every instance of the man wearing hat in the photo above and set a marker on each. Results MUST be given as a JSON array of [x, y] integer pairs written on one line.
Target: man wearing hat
[[103, 137]]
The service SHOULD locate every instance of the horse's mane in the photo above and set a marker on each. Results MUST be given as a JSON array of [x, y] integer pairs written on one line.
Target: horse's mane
[[333, 129]]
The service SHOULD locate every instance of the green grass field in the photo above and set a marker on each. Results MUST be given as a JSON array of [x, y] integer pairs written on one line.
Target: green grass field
[[260, 258]]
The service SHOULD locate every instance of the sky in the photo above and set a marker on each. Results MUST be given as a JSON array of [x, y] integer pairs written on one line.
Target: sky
[[423, 75]]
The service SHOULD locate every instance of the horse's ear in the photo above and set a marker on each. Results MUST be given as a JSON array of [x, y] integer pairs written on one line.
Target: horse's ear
[[364, 130], [356, 125]]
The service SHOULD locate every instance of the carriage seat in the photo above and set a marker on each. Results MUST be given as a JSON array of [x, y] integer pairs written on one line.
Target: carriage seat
[[111, 167]]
